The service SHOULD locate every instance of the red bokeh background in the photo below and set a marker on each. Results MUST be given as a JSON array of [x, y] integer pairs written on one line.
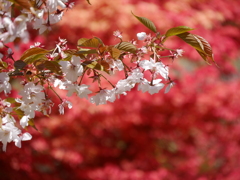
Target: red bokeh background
[[193, 132]]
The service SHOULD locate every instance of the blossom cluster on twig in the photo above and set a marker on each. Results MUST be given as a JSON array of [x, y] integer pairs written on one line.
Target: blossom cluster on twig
[[42, 70]]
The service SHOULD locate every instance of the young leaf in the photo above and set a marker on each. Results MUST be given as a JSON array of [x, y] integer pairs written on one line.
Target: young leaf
[[200, 44], [32, 51], [146, 22], [87, 51], [93, 42], [32, 124], [81, 41], [95, 65], [102, 49], [39, 64], [115, 53], [11, 100], [126, 46], [176, 30], [35, 57], [53, 66], [3, 65], [23, 3], [18, 112]]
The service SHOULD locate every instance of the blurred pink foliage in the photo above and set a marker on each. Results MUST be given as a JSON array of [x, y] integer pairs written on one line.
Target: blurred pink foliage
[[193, 132]]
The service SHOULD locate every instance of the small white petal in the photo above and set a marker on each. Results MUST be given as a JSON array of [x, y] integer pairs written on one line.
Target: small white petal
[[26, 136]]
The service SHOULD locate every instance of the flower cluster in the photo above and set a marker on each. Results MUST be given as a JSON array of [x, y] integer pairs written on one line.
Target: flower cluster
[[43, 14], [65, 68], [42, 70]]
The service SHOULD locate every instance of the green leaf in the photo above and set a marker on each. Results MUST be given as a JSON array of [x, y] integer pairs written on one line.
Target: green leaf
[[93, 42], [176, 30], [146, 22], [200, 44], [126, 46], [33, 51]]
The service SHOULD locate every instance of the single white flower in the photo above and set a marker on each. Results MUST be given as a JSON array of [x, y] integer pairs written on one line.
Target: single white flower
[[82, 90], [7, 119], [155, 67], [4, 83], [28, 108], [5, 106], [8, 133], [32, 93], [156, 86], [60, 83], [124, 85], [64, 104], [117, 34], [45, 24], [46, 107], [162, 70], [144, 86], [103, 96], [72, 69], [136, 76], [25, 137], [36, 44], [179, 52], [52, 5]]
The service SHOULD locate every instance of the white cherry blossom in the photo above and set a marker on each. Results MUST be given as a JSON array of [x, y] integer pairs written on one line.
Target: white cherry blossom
[[52, 5], [5, 106], [64, 104], [9, 132], [82, 90], [32, 93], [4, 83], [103, 96], [146, 86], [115, 65], [124, 85], [8, 118], [136, 76], [24, 137], [155, 67], [72, 69]]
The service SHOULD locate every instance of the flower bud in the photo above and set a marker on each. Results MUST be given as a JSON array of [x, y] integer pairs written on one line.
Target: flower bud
[[141, 36]]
